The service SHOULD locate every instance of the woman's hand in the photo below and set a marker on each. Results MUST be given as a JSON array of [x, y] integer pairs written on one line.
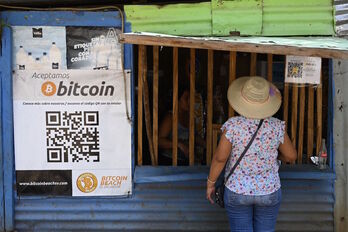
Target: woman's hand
[[210, 192]]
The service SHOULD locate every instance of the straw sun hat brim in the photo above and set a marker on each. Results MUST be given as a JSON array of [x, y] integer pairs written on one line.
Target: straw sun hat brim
[[249, 109]]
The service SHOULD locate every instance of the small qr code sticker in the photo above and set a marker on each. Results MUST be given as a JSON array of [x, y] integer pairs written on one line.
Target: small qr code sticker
[[72, 136], [295, 69]]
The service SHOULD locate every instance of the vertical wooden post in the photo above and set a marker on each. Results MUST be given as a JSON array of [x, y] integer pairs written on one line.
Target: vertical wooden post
[[319, 113], [286, 100], [155, 102], [141, 49], [192, 106], [232, 76], [301, 124], [310, 122], [294, 114], [175, 108], [210, 106], [269, 67], [253, 60]]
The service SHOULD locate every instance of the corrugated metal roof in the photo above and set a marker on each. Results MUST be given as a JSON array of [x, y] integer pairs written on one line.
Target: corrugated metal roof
[[176, 19], [244, 17], [297, 17], [341, 17], [173, 206], [248, 17]]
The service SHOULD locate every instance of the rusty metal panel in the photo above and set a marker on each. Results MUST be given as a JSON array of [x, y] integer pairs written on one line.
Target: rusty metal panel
[[297, 17], [174, 19], [341, 17], [173, 199], [236, 17]]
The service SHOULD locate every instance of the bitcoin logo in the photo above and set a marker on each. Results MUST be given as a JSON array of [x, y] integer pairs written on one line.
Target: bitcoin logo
[[87, 182], [48, 88]]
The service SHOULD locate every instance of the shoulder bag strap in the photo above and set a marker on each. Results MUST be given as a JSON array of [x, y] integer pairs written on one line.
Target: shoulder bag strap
[[245, 150]]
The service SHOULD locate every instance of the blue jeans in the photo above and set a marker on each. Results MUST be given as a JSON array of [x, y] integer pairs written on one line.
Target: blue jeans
[[252, 213]]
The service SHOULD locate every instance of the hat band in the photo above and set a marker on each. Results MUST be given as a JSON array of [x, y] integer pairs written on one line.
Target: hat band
[[246, 98]]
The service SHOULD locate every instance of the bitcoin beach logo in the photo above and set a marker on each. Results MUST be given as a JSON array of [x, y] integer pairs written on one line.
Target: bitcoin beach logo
[[48, 88], [87, 182]]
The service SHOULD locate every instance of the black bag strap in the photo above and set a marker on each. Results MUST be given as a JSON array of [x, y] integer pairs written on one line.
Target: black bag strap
[[245, 150]]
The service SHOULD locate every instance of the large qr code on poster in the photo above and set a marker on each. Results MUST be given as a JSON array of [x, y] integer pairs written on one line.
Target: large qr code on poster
[[72, 136], [295, 69]]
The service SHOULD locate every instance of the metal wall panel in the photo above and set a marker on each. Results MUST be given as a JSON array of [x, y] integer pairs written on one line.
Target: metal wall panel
[[297, 17], [176, 202], [174, 19], [341, 17]]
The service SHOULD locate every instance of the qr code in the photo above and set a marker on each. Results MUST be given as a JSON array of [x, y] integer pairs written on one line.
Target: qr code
[[72, 136], [295, 69]]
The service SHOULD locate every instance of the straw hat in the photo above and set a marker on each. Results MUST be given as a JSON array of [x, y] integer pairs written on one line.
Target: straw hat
[[254, 97]]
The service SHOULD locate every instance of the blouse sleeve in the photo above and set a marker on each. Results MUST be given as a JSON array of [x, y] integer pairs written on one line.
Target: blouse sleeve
[[281, 132], [227, 126]]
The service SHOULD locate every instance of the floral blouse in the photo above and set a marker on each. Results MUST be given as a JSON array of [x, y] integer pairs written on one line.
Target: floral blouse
[[257, 173]]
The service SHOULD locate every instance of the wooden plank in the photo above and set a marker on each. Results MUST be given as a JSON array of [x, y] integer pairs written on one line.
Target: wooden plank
[[155, 102], [210, 106], [286, 104], [253, 60], [141, 49], [310, 122], [147, 112], [192, 106], [175, 108], [294, 106], [232, 46], [269, 67], [216, 130], [232, 77], [319, 114], [301, 124]]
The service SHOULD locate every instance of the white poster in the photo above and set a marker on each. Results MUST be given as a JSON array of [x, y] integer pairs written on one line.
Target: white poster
[[302, 70], [71, 128]]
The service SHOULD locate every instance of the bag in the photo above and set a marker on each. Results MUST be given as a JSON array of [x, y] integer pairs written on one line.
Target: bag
[[220, 188]]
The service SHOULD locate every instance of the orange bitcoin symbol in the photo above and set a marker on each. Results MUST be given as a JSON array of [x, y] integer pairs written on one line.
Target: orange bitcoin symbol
[[48, 88]]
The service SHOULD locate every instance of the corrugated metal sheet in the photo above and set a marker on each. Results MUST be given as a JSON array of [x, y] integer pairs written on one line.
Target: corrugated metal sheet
[[297, 17], [341, 17], [244, 17], [173, 206], [175, 19], [249, 17]]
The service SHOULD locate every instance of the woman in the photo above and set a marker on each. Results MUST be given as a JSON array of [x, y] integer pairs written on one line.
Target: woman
[[252, 193]]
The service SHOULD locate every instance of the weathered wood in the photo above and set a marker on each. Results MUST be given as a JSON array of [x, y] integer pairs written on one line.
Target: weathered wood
[[310, 122], [286, 105], [146, 101], [294, 107], [302, 101], [232, 76], [269, 67], [210, 106], [155, 101], [319, 114], [253, 60], [232, 46], [175, 108], [141, 49], [192, 106]]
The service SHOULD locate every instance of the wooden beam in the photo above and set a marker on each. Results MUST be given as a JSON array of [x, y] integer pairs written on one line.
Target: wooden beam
[[231, 46], [141, 49], [232, 77], [269, 67], [155, 101], [253, 61], [286, 104], [294, 107], [210, 106], [319, 114], [301, 124], [192, 106], [175, 108], [310, 122]]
